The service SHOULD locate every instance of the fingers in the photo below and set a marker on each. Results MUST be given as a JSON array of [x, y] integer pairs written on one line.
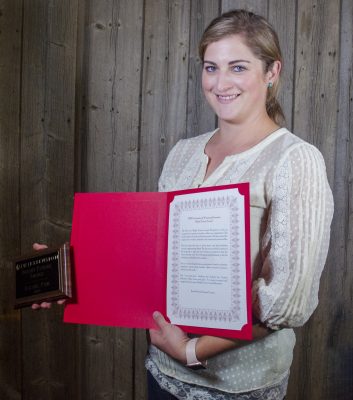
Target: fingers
[[37, 246], [154, 335], [159, 320], [44, 304]]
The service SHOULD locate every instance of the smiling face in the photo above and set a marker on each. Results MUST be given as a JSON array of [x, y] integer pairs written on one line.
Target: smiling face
[[234, 81]]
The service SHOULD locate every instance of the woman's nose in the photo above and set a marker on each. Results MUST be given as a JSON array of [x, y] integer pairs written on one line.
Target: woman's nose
[[224, 82]]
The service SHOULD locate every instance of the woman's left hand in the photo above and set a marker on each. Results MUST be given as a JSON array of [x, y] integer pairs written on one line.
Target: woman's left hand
[[169, 338]]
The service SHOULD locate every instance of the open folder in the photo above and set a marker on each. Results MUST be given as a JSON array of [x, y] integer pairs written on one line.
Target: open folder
[[184, 253]]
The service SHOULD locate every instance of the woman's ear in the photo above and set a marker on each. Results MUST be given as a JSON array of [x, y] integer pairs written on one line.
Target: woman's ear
[[273, 73]]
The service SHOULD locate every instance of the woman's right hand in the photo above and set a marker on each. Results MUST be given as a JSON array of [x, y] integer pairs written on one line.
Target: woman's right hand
[[44, 304]]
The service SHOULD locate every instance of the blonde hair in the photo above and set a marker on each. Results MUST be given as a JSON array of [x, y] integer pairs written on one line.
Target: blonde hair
[[262, 40]]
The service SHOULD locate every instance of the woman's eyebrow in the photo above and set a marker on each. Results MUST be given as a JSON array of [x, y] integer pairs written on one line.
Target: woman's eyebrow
[[230, 62], [238, 61]]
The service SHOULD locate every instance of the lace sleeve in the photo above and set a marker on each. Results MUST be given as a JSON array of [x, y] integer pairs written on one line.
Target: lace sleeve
[[295, 244]]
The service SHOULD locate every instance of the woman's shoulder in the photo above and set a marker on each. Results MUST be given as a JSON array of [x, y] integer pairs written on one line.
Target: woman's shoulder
[[290, 156], [290, 146]]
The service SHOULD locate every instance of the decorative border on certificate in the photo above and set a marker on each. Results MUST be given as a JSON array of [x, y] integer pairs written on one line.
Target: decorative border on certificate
[[233, 316]]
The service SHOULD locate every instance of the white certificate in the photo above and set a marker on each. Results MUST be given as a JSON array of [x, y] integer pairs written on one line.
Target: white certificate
[[206, 278]]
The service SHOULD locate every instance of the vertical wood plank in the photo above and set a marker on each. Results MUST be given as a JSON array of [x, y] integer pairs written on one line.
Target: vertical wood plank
[[316, 83], [140, 350], [47, 179], [315, 119], [113, 69], [200, 116], [332, 328], [164, 91], [255, 6], [106, 363], [282, 16], [339, 364], [110, 135], [80, 106], [10, 63]]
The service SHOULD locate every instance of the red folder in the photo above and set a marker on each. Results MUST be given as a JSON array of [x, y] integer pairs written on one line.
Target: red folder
[[120, 243]]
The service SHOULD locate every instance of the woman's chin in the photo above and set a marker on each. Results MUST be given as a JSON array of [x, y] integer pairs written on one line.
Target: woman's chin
[[230, 119]]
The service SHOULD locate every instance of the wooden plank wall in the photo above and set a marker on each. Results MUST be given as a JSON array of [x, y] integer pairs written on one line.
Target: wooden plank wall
[[93, 95], [10, 232], [46, 176]]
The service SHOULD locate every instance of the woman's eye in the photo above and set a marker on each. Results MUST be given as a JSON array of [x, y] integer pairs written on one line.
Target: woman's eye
[[238, 68], [210, 68]]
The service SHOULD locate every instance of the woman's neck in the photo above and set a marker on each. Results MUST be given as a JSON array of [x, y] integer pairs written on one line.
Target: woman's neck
[[232, 139], [240, 137]]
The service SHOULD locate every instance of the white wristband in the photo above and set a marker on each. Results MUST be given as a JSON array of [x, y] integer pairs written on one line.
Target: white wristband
[[191, 359]]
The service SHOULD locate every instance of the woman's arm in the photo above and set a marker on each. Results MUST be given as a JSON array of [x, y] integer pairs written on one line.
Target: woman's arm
[[210, 346], [295, 243], [172, 340]]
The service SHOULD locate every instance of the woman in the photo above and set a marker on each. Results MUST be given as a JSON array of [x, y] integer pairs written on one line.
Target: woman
[[291, 212]]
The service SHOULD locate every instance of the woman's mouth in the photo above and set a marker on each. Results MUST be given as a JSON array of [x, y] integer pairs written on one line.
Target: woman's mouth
[[226, 98]]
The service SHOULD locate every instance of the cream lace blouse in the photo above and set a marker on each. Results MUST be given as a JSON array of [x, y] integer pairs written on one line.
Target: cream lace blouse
[[291, 212]]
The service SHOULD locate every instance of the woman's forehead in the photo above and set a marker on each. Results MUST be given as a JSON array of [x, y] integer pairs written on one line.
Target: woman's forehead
[[229, 48]]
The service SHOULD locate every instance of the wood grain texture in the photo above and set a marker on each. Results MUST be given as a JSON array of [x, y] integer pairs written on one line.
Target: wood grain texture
[[164, 89], [316, 75], [140, 351], [338, 367], [315, 120], [106, 363], [258, 7], [10, 63], [333, 326], [112, 87], [47, 176]]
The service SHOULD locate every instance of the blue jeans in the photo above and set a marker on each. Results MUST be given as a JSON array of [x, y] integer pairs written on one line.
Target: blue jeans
[[155, 392]]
